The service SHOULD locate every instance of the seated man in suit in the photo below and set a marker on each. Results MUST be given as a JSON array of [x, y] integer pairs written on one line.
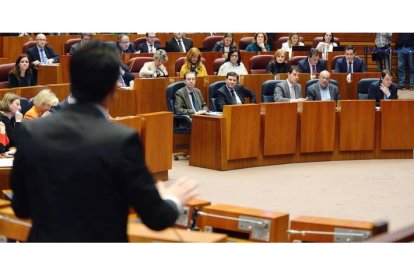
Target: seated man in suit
[[323, 90], [123, 45], [178, 44], [384, 88], [85, 37], [312, 64], [350, 63], [149, 46], [232, 93], [289, 90], [188, 100], [41, 53], [98, 170]]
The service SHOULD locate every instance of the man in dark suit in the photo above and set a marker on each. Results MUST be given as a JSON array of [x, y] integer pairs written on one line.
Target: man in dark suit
[[312, 64], [350, 63], [232, 93], [323, 90], [123, 45], [41, 53], [189, 100], [87, 171], [178, 44], [384, 88], [149, 46], [84, 38], [289, 90]]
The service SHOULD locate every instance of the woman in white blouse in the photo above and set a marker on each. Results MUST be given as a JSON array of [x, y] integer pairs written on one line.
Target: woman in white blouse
[[293, 40], [327, 44], [233, 63], [156, 68]]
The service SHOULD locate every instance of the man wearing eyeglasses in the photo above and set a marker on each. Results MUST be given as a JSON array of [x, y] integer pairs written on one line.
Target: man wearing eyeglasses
[[123, 45], [41, 53], [149, 46]]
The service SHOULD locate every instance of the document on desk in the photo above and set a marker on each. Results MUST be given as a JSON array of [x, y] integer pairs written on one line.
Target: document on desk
[[213, 113], [6, 162]]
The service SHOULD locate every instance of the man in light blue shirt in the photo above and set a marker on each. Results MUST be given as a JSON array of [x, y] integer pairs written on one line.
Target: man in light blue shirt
[[323, 90]]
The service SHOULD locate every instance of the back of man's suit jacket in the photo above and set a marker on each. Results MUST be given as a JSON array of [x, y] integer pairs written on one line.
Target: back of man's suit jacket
[[75, 174]]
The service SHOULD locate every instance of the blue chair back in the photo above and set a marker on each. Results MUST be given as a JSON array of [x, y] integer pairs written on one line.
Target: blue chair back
[[268, 90], [171, 89], [363, 86], [212, 93], [25, 104]]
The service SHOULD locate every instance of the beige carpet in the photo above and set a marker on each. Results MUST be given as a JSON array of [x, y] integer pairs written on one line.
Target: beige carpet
[[360, 190]]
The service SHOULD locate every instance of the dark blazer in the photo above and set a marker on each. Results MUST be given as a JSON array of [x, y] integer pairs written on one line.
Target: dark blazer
[[28, 80], [143, 47], [86, 173], [341, 65], [223, 96], [314, 92], [183, 104], [219, 47], [129, 50], [374, 92], [127, 76], [305, 68], [33, 54], [172, 45]]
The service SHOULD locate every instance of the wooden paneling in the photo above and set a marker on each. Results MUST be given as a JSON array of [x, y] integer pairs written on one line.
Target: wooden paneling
[[357, 125], [317, 127], [125, 103], [242, 130], [279, 128], [397, 128], [48, 74]]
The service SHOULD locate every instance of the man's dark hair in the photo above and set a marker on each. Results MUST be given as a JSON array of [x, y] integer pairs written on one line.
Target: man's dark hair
[[350, 47], [313, 52], [94, 70], [386, 72], [293, 68], [232, 74]]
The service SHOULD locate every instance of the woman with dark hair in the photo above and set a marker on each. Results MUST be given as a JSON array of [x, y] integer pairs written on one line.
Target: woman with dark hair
[[226, 45], [278, 64], [193, 63], [259, 44], [327, 44], [21, 74], [233, 63]]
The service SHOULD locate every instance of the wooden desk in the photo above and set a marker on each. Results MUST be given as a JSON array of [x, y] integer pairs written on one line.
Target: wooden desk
[[317, 133], [12, 230], [277, 223], [310, 223], [49, 74]]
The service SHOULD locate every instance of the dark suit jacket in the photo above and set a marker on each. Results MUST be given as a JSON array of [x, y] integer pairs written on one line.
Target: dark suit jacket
[[129, 50], [374, 92], [172, 45], [314, 92], [143, 47], [75, 175], [341, 65], [127, 76], [304, 65], [33, 54], [223, 96], [183, 104]]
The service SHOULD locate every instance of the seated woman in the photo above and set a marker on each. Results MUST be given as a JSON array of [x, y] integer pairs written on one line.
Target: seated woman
[[11, 118], [42, 103], [21, 74], [327, 44], [293, 40], [193, 63], [233, 63], [226, 45], [156, 68], [258, 44], [278, 64]]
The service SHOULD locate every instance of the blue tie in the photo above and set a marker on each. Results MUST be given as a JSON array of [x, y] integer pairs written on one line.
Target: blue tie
[[195, 103], [43, 56]]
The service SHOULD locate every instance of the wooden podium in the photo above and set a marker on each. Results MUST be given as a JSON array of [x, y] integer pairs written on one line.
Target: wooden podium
[[49, 74], [333, 230], [246, 224]]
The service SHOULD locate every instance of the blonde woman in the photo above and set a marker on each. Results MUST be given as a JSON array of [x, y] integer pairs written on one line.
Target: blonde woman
[[293, 40], [42, 103], [193, 63], [278, 64], [156, 68], [10, 118]]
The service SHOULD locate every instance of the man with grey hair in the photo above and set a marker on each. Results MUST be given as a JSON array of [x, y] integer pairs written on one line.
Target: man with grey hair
[[41, 53], [156, 68], [323, 90]]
